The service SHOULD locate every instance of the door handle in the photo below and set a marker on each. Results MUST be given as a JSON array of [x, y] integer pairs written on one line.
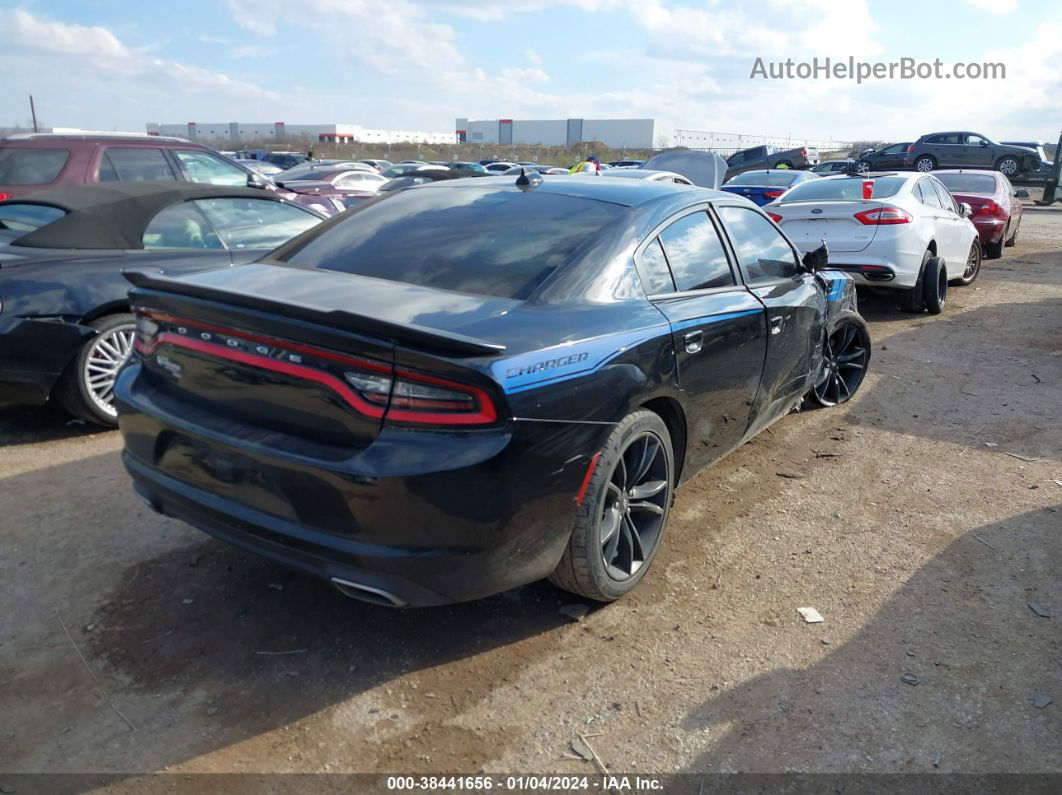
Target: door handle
[[777, 324], [694, 341]]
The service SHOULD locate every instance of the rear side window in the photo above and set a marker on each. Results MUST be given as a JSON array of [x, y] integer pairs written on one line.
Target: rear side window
[[205, 167], [31, 166], [841, 189], [695, 253], [181, 226], [255, 223], [652, 267], [946, 199], [502, 243], [760, 247], [27, 217], [925, 193], [134, 164]]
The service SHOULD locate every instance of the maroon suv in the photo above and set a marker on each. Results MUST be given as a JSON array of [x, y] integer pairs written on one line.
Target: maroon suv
[[33, 162]]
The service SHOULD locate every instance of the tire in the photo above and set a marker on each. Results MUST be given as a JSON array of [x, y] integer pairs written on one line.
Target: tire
[[973, 264], [912, 300], [846, 355], [862, 166], [935, 285], [1008, 166], [85, 387], [1012, 241], [925, 163], [592, 566], [995, 250]]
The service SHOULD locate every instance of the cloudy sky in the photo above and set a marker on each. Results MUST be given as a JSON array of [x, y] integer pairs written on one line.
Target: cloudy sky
[[418, 64]]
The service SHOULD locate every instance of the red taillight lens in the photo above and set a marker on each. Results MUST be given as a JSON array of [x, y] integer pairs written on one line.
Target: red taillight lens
[[5, 196], [883, 216], [910, 148], [374, 389], [775, 217], [804, 152], [988, 207], [772, 194]]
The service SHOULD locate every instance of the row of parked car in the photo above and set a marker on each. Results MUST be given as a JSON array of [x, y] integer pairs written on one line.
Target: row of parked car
[[473, 383]]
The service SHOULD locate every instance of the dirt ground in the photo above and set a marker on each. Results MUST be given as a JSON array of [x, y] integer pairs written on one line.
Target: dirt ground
[[924, 523]]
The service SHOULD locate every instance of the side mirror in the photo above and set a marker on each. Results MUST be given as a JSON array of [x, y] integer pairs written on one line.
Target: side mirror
[[983, 143], [1021, 193], [965, 210], [818, 259], [256, 181]]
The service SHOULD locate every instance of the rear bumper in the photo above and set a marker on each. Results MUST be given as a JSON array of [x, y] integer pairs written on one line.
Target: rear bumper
[[989, 230], [413, 525]]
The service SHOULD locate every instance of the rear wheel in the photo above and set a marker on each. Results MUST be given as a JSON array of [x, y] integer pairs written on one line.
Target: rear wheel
[[1013, 239], [935, 286], [995, 250], [1008, 166], [973, 264], [845, 356], [912, 300], [621, 522], [86, 388], [925, 163]]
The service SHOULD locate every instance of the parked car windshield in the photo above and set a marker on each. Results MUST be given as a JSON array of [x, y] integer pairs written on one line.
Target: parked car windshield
[[31, 166], [499, 243], [968, 183], [760, 178], [27, 217], [841, 189]]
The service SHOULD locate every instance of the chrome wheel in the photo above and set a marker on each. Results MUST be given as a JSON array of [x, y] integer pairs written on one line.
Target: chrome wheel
[[106, 355], [1008, 166], [862, 167], [924, 164], [845, 359], [634, 506], [973, 264]]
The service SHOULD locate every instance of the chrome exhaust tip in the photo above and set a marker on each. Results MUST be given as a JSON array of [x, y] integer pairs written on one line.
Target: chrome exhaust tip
[[367, 593]]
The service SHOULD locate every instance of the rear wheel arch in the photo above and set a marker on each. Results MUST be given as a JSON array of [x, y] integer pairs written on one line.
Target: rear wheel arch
[[111, 308], [932, 247], [671, 412]]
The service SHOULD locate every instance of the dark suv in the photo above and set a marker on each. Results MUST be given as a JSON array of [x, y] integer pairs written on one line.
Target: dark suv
[[33, 162], [969, 150]]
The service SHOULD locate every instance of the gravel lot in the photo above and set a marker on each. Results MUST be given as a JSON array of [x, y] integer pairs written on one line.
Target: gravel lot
[[923, 520]]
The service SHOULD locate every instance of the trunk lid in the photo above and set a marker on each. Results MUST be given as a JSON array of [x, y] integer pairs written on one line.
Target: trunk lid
[[807, 223], [306, 354]]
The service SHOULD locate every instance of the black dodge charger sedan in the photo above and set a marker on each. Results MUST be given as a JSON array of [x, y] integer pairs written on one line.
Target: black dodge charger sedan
[[65, 326], [472, 385]]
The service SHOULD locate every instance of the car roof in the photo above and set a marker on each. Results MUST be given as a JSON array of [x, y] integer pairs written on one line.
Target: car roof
[[100, 136], [114, 215], [626, 192]]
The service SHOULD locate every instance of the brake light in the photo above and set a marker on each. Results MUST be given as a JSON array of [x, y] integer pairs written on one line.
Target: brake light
[[373, 389], [884, 216], [910, 148], [989, 207], [775, 217], [5, 196], [804, 152], [772, 194]]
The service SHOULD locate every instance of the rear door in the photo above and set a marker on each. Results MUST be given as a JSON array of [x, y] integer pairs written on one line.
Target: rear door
[[718, 327], [959, 234], [944, 231], [796, 309]]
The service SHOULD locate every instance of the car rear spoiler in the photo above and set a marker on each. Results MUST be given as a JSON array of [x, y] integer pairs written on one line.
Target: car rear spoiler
[[444, 341]]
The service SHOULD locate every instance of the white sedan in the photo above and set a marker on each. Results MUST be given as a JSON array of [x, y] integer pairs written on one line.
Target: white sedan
[[909, 235]]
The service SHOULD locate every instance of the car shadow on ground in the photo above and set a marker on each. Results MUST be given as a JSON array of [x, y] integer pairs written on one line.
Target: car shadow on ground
[[935, 680], [992, 392], [30, 425]]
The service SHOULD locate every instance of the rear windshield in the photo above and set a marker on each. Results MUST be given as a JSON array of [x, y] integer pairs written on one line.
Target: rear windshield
[[499, 243], [968, 183], [842, 189], [754, 178], [31, 166], [27, 217]]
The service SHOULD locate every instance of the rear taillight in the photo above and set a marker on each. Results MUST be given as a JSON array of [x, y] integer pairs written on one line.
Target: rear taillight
[[883, 216], [5, 196], [910, 148], [775, 217], [772, 194], [371, 388], [988, 207], [804, 152]]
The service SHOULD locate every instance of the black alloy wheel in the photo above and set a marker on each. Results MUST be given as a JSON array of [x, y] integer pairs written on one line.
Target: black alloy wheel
[[633, 510], [846, 355]]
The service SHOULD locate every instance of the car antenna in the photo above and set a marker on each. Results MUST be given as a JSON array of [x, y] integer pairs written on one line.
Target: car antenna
[[528, 181]]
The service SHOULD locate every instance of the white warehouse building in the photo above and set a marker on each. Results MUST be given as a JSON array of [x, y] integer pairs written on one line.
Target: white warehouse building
[[614, 133], [236, 132]]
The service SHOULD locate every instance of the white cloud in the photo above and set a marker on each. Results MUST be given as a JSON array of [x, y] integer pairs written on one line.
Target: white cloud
[[533, 57], [19, 27]]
